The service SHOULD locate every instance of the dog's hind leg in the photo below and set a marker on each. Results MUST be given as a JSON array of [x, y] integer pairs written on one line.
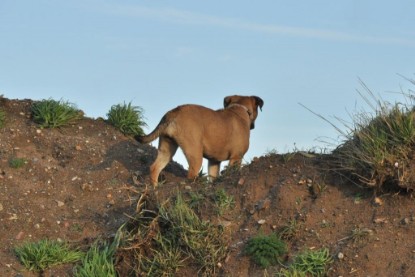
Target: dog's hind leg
[[194, 159], [166, 150], [213, 169]]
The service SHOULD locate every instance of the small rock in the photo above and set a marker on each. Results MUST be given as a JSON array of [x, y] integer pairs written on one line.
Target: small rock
[[20, 235], [340, 256], [37, 226], [377, 201], [188, 188], [241, 181], [405, 221], [13, 217], [60, 203], [38, 131], [380, 220], [302, 182], [87, 187], [261, 221]]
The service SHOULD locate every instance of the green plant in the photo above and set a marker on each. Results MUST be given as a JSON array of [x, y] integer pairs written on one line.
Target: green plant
[[17, 162], [127, 118], [378, 147], [38, 256], [290, 230], [265, 250], [223, 200], [164, 240], [360, 234], [195, 200], [2, 118], [166, 260], [99, 260], [309, 263], [52, 114]]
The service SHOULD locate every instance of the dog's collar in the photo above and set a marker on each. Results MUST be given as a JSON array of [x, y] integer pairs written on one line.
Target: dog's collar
[[239, 105]]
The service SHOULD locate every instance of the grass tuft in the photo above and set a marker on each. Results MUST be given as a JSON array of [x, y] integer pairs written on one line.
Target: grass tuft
[[127, 118], [100, 259], [223, 201], [38, 256], [17, 162], [2, 118], [52, 114], [172, 237], [265, 250], [308, 263], [378, 147]]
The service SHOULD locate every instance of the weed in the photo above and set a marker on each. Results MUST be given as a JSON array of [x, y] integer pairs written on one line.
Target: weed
[[127, 118], [290, 230], [76, 227], [195, 200], [38, 256], [223, 201], [99, 260], [17, 162], [378, 148], [265, 250], [166, 260], [309, 263], [2, 118], [52, 114], [360, 234], [164, 240]]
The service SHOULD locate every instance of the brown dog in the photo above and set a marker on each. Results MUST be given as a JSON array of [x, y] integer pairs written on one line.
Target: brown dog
[[204, 133]]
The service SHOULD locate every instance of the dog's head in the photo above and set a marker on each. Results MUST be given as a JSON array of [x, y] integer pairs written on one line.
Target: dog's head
[[251, 103]]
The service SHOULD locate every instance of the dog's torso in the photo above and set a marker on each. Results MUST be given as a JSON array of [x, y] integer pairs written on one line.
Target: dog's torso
[[221, 134]]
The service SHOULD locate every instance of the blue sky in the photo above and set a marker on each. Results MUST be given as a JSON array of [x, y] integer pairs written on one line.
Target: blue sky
[[161, 54]]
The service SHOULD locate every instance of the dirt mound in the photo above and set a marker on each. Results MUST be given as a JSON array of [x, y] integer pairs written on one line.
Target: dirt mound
[[82, 182]]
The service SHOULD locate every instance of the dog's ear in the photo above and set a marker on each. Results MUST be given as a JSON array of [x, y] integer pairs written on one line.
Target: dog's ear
[[259, 102], [227, 101]]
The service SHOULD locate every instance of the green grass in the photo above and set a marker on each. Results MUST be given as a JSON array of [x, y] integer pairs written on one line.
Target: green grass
[[265, 250], [290, 230], [173, 236], [52, 114], [17, 162], [2, 118], [38, 256], [379, 145], [99, 260], [223, 201], [127, 118], [309, 263]]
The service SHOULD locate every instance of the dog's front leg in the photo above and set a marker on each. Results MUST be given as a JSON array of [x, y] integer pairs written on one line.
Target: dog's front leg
[[213, 169]]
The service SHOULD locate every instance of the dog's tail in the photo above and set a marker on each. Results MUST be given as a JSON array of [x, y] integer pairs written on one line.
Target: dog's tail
[[154, 134]]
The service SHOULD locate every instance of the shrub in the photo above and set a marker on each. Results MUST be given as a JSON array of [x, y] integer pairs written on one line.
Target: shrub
[[2, 118], [52, 114], [265, 250], [40, 255], [127, 118]]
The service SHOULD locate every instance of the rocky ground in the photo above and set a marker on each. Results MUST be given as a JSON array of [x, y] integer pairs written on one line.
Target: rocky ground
[[82, 182]]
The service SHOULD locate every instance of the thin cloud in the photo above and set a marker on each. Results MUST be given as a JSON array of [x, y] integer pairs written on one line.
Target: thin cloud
[[193, 18]]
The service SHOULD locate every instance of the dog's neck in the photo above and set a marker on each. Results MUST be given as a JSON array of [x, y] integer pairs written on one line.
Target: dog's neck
[[239, 105]]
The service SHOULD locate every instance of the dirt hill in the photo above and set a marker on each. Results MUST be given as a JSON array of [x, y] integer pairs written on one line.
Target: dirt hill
[[82, 182]]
